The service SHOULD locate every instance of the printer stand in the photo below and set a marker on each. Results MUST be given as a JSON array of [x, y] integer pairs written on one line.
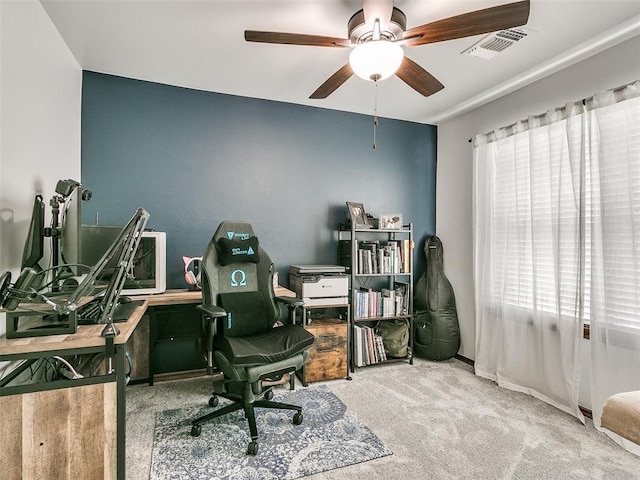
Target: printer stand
[[327, 315], [328, 358]]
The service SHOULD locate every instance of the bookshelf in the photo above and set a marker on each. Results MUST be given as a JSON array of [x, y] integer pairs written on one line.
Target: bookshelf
[[380, 263]]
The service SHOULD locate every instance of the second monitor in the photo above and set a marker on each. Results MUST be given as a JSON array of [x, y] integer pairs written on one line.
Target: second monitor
[[149, 271]]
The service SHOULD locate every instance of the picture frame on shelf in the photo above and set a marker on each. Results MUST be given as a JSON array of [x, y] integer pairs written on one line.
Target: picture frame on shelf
[[392, 221], [358, 215]]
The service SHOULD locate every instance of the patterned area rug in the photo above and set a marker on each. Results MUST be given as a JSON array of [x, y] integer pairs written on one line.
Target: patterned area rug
[[330, 437]]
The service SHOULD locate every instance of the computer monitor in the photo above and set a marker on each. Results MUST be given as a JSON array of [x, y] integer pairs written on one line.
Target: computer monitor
[[33, 250], [123, 249], [148, 270]]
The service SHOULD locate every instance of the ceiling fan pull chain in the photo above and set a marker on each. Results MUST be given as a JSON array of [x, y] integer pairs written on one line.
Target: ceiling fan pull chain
[[375, 113]]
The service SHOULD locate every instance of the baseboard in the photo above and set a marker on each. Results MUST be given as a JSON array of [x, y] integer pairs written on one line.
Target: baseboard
[[466, 360], [165, 377], [586, 412]]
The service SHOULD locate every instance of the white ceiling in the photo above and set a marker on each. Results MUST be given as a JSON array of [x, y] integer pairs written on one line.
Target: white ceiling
[[199, 44]]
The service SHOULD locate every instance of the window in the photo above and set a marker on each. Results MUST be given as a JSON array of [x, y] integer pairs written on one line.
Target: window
[[565, 203], [615, 209], [538, 195]]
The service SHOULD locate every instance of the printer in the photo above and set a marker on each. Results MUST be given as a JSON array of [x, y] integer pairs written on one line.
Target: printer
[[320, 284]]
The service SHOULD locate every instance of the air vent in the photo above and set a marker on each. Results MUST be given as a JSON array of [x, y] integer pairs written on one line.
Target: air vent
[[496, 42]]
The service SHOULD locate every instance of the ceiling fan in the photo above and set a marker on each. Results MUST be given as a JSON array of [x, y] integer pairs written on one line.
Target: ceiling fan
[[378, 32]]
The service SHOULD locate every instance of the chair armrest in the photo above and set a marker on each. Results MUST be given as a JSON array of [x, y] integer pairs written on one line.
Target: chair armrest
[[213, 310], [211, 313], [290, 301]]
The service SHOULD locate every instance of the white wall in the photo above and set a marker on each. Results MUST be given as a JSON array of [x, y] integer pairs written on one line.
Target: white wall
[[40, 94], [612, 68]]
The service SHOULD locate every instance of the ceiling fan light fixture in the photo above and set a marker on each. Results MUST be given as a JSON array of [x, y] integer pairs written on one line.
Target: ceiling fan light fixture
[[376, 59]]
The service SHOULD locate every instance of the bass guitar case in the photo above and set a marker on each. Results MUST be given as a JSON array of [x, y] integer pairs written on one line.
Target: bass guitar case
[[437, 332]]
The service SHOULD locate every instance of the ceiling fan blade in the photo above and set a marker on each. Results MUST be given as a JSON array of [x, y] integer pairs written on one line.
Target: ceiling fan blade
[[469, 24], [295, 39], [377, 9], [333, 82], [418, 78]]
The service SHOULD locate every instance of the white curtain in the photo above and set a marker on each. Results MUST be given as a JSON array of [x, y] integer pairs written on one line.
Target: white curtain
[[614, 146], [557, 246], [529, 255]]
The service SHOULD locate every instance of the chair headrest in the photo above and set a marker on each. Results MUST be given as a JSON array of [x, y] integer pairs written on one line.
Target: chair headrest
[[234, 230]]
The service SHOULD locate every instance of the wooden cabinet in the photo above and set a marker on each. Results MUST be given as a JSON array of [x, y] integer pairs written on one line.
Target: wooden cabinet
[[327, 357]]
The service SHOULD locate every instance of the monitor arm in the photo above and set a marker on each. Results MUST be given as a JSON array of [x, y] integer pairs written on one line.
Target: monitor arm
[[125, 246]]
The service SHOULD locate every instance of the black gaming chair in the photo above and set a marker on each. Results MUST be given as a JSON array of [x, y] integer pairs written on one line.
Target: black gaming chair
[[240, 311]]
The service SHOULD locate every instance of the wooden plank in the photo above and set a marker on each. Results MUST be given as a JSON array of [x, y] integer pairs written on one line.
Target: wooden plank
[[87, 417], [110, 418], [181, 297], [45, 424], [63, 434], [283, 292], [93, 431], [138, 349], [174, 297], [87, 336], [11, 442]]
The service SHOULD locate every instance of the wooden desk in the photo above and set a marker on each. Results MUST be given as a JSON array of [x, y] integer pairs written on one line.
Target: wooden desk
[[69, 429], [174, 297], [178, 297], [86, 337], [171, 330]]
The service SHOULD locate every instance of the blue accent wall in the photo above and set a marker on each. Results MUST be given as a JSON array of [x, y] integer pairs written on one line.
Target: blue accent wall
[[194, 158]]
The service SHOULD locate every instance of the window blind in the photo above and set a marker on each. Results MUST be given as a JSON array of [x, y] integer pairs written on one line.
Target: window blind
[[537, 208], [546, 207], [615, 207]]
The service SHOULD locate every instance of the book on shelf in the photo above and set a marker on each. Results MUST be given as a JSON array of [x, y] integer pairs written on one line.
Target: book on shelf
[[369, 303], [369, 346], [406, 256], [388, 302], [368, 250], [401, 297], [391, 257], [371, 359], [380, 348], [358, 353]]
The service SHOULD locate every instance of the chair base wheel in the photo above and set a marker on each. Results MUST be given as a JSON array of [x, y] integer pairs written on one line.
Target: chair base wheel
[[196, 430], [213, 402], [297, 418], [252, 449]]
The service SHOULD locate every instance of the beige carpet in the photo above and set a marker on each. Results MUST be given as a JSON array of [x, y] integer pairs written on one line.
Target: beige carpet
[[440, 421]]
